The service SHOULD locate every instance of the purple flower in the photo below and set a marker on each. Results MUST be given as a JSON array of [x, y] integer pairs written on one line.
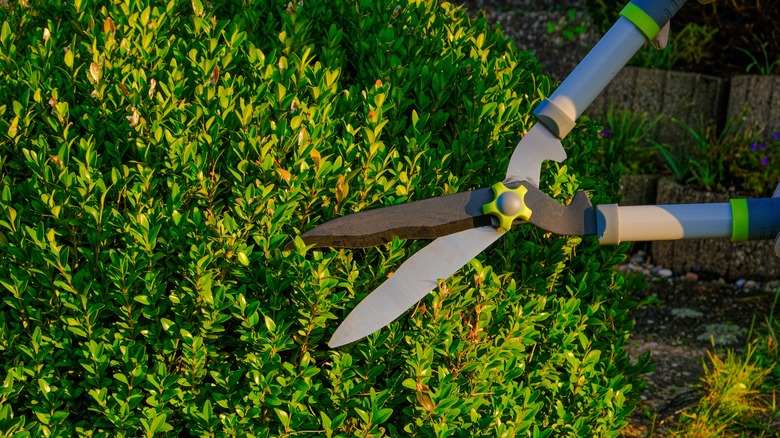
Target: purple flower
[[606, 133], [754, 147], [762, 146], [776, 136], [764, 161]]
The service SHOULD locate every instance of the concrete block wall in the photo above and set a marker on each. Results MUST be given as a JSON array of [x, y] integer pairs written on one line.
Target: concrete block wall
[[692, 98], [695, 99], [759, 98]]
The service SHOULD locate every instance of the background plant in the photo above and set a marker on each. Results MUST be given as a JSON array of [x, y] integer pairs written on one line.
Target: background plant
[[626, 142], [733, 400], [738, 157], [157, 158], [701, 157], [760, 59], [739, 388], [573, 26], [754, 166], [692, 44]]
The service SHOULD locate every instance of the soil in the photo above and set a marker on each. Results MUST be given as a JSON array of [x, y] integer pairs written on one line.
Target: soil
[[681, 319]]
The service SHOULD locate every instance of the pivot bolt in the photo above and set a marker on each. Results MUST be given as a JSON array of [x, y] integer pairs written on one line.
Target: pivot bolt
[[507, 205]]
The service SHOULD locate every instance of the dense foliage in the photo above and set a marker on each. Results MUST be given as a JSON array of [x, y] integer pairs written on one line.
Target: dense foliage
[[157, 158]]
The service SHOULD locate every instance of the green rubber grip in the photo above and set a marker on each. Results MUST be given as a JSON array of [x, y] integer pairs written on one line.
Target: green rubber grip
[[740, 220], [644, 22], [651, 15]]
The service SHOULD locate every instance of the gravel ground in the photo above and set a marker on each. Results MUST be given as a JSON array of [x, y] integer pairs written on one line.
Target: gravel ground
[[527, 22]]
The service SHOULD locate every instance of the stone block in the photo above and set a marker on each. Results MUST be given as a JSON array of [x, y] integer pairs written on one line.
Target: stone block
[[692, 98], [758, 98], [638, 189]]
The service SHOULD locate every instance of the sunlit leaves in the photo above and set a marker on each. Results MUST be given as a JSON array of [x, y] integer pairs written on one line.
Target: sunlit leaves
[[95, 71], [161, 161]]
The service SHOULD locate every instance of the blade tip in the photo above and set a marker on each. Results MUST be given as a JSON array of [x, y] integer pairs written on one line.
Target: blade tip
[[336, 342]]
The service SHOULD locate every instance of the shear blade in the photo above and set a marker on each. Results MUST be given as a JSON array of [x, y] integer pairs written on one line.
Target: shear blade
[[416, 277], [445, 215], [425, 219]]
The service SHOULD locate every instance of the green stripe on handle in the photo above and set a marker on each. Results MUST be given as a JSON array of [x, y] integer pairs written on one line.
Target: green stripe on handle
[[755, 218], [641, 19], [740, 220], [651, 15]]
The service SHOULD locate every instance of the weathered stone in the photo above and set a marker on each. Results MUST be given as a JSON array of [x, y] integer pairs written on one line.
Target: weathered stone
[[720, 257], [758, 98], [638, 189], [692, 98]]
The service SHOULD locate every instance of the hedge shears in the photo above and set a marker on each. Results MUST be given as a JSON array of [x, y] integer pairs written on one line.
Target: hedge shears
[[464, 224]]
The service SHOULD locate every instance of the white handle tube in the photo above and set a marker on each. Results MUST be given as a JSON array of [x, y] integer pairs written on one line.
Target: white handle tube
[[590, 77], [598, 68], [663, 222]]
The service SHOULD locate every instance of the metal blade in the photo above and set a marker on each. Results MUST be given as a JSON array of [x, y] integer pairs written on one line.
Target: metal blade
[[538, 145], [415, 278], [425, 219], [419, 275], [576, 219]]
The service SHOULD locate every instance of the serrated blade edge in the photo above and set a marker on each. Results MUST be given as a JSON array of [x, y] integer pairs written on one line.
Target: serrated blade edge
[[416, 277]]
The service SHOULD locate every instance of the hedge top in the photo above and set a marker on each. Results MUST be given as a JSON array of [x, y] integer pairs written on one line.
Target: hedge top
[[156, 159]]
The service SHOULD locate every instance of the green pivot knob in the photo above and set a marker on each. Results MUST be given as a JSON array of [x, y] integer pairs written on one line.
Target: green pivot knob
[[507, 205]]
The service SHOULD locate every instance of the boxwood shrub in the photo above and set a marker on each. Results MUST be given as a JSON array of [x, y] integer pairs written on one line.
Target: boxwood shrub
[[157, 157]]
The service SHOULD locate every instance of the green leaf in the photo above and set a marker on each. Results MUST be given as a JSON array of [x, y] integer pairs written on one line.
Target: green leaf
[[5, 33], [145, 16], [166, 323], [13, 129], [284, 417], [207, 412], [176, 217], [269, 324], [69, 58], [43, 417], [363, 415], [382, 415], [325, 421], [44, 386], [78, 331], [160, 425], [37, 339], [197, 7]]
